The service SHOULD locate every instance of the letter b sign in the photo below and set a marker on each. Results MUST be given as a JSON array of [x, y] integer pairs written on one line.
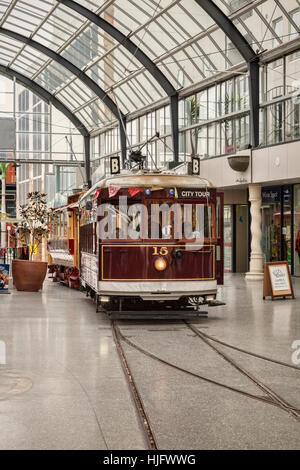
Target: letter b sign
[[195, 166], [115, 165]]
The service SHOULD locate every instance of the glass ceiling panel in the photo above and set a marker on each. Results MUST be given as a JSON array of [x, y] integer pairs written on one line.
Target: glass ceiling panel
[[178, 35], [80, 92], [231, 6], [9, 46], [272, 24]]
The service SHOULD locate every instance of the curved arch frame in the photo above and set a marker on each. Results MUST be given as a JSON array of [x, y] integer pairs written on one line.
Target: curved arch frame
[[109, 103], [48, 97], [149, 65], [246, 51]]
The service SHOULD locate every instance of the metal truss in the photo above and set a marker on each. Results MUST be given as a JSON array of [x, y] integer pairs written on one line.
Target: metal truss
[[149, 65], [47, 96], [247, 53]]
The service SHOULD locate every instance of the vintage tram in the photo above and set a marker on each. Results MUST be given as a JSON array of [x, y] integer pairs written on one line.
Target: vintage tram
[[151, 241], [63, 242]]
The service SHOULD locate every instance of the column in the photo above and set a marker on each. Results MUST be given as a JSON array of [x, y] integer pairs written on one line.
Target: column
[[257, 257]]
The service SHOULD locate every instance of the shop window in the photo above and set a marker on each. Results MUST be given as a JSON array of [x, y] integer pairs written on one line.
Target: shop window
[[227, 239], [297, 229]]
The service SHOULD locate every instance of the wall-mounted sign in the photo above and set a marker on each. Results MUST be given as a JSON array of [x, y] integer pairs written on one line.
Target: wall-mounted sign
[[277, 280], [271, 194], [287, 193]]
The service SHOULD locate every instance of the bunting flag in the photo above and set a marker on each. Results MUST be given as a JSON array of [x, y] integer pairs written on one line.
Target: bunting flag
[[97, 193], [175, 193], [156, 188], [134, 191], [112, 190]]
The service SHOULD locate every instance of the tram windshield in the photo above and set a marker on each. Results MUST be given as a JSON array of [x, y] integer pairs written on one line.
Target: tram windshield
[[158, 220]]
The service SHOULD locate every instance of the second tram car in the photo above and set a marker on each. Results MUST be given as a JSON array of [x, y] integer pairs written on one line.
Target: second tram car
[[151, 241], [63, 243]]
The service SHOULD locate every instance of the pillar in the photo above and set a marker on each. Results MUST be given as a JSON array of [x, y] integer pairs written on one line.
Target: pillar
[[257, 258]]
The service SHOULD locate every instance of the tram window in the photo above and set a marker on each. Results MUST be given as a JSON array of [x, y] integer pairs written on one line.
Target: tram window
[[120, 224], [61, 225], [196, 221], [166, 222], [65, 234], [160, 220]]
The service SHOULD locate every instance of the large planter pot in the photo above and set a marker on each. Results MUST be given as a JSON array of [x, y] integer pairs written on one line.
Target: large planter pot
[[28, 275]]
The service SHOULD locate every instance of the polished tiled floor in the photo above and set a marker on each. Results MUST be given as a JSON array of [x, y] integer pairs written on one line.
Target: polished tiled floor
[[62, 385]]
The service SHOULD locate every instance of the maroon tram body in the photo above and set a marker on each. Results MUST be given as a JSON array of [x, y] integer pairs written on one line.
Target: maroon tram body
[[167, 270]]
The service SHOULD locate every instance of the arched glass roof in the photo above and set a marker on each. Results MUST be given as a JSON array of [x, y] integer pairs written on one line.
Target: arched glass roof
[[179, 37]]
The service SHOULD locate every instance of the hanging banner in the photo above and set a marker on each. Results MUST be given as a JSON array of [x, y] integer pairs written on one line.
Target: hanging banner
[[4, 277]]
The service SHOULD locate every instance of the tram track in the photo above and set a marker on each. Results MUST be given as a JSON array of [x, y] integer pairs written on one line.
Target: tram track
[[145, 422], [269, 397], [279, 401]]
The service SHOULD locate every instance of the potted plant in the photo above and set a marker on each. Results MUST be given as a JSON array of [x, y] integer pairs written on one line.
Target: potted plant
[[29, 275]]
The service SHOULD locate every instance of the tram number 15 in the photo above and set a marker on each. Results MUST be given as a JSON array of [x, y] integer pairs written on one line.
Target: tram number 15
[[163, 250]]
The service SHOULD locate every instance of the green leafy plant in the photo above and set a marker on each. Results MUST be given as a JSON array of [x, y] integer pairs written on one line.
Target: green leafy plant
[[34, 219]]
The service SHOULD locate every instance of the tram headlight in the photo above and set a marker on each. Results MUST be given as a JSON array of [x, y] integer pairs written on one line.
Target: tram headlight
[[160, 264]]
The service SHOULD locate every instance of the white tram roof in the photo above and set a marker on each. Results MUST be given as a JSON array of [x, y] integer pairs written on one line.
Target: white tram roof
[[142, 179]]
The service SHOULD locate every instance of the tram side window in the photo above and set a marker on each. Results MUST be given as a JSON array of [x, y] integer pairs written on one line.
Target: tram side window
[[65, 230], [118, 224], [87, 238]]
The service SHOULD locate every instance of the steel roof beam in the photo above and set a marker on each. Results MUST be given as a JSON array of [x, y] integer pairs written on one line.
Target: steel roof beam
[[149, 65], [109, 103], [246, 51]]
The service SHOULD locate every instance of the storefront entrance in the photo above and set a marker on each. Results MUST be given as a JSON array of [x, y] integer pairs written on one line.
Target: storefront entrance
[[296, 230], [236, 238], [277, 223]]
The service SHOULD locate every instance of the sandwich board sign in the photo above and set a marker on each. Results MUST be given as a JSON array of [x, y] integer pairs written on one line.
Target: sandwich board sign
[[277, 280]]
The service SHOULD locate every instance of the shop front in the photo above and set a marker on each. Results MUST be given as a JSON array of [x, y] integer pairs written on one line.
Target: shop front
[[277, 223]]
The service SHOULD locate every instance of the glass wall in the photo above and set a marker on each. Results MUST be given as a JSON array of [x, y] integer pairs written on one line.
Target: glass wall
[[280, 83], [215, 121]]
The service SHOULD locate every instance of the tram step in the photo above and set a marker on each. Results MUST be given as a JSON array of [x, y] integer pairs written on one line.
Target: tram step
[[156, 315]]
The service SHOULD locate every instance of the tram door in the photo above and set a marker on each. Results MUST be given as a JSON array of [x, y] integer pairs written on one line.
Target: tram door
[[220, 238]]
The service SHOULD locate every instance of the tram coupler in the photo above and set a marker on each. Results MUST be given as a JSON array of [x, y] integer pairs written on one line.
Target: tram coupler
[[215, 303]]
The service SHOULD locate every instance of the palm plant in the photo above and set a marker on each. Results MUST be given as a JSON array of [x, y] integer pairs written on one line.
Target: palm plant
[[193, 110]]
